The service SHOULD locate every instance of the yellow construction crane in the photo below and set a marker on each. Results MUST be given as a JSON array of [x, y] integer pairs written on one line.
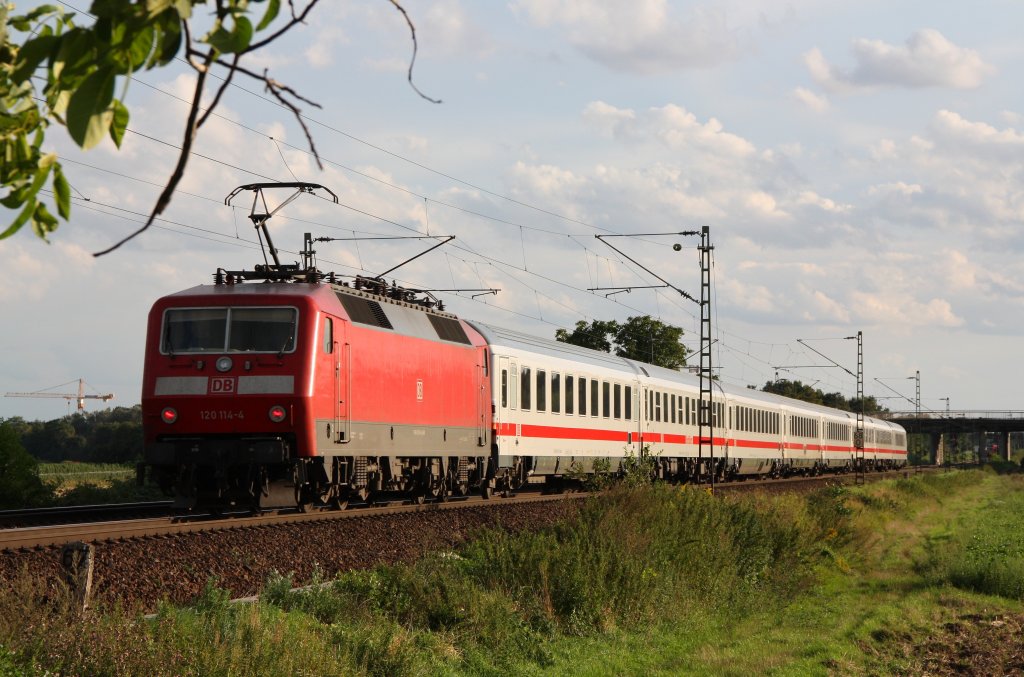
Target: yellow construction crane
[[80, 396]]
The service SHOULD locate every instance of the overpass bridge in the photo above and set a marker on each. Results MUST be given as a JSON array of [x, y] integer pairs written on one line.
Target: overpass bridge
[[946, 428]]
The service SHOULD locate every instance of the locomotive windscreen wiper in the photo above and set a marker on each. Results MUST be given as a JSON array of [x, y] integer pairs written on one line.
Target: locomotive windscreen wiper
[[280, 353], [167, 339]]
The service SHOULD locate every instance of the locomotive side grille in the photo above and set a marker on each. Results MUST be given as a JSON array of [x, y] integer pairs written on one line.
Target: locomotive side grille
[[448, 329], [463, 470], [365, 311], [359, 476]]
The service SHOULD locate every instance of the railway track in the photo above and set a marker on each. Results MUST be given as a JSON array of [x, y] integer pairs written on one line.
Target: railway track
[[38, 517], [42, 537], [36, 537]]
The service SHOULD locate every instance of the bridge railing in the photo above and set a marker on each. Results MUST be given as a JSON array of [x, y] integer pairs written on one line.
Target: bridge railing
[[1001, 414]]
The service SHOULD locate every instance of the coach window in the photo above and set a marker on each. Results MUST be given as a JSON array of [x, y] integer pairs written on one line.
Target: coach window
[[556, 392], [595, 397], [582, 390], [649, 406], [679, 409], [629, 403], [542, 390], [606, 404], [569, 394], [618, 400], [657, 407], [672, 398], [527, 387], [328, 335], [504, 388]]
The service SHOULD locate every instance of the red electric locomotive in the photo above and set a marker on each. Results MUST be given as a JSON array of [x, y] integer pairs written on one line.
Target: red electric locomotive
[[284, 394], [303, 391]]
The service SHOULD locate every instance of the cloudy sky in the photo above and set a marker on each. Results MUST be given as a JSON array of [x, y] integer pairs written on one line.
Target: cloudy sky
[[859, 166]]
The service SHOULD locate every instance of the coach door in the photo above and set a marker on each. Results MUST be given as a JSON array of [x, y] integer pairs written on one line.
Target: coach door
[[482, 405], [507, 400], [342, 385]]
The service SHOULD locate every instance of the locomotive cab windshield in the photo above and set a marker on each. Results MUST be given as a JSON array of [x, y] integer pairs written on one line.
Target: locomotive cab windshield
[[227, 330]]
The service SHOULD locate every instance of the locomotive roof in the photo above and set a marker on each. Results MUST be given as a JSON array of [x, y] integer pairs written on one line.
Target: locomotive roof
[[517, 340]]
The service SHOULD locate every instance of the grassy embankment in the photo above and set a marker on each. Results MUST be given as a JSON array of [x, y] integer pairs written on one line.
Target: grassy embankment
[[647, 581]]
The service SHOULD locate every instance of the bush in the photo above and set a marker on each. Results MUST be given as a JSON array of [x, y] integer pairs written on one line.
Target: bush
[[20, 486]]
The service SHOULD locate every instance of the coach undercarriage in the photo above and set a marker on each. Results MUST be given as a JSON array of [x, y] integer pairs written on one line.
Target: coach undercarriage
[[568, 472]]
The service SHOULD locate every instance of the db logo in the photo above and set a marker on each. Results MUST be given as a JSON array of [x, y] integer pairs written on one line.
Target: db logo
[[224, 385]]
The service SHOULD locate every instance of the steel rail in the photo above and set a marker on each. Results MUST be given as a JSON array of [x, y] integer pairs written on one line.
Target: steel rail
[[47, 536]]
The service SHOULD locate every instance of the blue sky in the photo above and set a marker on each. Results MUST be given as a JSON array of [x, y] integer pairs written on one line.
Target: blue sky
[[859, 165]]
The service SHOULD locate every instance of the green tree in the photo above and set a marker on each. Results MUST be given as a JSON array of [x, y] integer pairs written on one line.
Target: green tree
[[20, 486], [640, 338], [74, 73], [799, 391], [594, 335], [645, 339]]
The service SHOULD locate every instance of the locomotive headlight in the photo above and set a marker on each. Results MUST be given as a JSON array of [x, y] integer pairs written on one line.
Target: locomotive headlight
[[169, 415], [277, 413], [224, 363]]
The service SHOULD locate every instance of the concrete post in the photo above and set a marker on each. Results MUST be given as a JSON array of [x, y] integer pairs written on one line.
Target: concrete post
[[935, 444], [77, 559], [1004, 441]]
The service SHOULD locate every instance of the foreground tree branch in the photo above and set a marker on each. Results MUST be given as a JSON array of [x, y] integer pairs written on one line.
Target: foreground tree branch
[[83, 65]]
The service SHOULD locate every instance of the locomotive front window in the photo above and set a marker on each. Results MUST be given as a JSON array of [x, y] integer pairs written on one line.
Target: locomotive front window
[[195, 330], [205, 330], [261, 330]]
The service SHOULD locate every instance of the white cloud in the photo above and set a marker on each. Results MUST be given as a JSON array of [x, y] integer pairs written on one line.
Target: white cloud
[[640, 36], [673, 125], [897, 188], [891, 308], [954, 128], [928, 59], [816, 102]]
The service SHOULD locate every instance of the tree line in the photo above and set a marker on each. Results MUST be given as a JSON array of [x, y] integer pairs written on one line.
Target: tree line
[[799, 391], [107, 436]]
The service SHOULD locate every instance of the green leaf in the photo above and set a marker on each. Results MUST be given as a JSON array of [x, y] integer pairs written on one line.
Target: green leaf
[[119, 123], [167, 44], [184, 8], [30, 56], [15, 198], [40, 11], [242, 35], [235, 41], [62, 191], [89, 114], [142, 47], [24, 216], [46, 162], [273, 7], [154, 7], [43, 221]]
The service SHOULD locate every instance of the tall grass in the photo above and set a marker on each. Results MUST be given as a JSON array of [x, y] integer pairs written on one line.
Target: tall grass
[[634, 557], [985, 554]]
